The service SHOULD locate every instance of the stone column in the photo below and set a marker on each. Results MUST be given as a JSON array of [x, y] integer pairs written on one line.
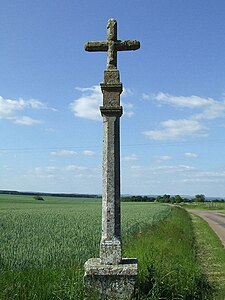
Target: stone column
[[111, 244], [110, 277]]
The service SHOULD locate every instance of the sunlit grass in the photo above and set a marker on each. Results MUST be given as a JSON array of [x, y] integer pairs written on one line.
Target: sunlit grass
[[45, 244], [211, 255], [168, 266]]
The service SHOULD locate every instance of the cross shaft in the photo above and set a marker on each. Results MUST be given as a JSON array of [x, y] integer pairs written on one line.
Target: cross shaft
[[111, 111], [112, 45]]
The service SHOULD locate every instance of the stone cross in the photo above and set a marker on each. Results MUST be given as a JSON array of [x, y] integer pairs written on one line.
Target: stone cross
[[111, 244], [111, 276], [112, 45]]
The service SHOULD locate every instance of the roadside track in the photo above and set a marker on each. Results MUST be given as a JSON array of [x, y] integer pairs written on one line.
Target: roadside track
[[215, 219]]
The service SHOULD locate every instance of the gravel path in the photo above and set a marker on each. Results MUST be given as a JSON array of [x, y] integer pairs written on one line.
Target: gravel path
[[215, 219]]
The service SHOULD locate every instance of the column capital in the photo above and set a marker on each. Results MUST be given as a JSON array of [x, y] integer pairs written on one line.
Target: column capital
[[112, 87], [112, 111]]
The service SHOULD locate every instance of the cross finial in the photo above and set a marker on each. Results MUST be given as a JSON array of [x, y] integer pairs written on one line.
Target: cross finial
[[112, 45], [111, 39]]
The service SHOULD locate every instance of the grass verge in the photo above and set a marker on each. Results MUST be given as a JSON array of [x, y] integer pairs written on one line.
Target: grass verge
[[211, 256], [168, 267]]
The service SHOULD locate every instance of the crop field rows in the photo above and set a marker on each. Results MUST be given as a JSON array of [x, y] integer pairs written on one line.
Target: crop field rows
[[60, 236], [44, 245]]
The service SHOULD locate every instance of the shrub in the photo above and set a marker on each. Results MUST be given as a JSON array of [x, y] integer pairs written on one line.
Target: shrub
[[38, 197]]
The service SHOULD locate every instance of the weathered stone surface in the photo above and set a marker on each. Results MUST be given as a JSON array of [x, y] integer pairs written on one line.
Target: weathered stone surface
[[111, 245], [111, 277], [112, 77], [110, 282], [111, 95], [112, 45], [111, 111], [111, 251]]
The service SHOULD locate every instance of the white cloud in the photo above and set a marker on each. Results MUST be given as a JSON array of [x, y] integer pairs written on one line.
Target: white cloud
[[182, 101], [206, 177], [201, 180], [213, 111], [210, 107], [172, 169], [204, 109], [174, 129], [210, 174], [127, 109], [131, 157], [88, 153], [26, 121], [8, 107], [127, 92], [35, 104], [88, 105], [163, 158], [63, 153], [48, 169], [11, 109], [60, 177], [49, 130], [175, 169], [191, 154], [73, 168], [45, 172]]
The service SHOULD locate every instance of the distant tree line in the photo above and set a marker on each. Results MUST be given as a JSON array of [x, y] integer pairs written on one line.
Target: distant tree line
[[50, 194], [167, 199], [178, 199], [162, 199], [170, 199], [137, 199]]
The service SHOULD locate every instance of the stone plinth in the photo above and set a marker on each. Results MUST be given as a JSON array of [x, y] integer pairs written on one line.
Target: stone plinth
[[110, 282]]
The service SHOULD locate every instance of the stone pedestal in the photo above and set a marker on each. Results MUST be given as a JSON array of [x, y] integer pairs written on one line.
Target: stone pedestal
[[110, 282]]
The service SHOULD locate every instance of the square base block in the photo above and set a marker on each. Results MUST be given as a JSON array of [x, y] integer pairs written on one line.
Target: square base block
[[109, 282], [111, 252]]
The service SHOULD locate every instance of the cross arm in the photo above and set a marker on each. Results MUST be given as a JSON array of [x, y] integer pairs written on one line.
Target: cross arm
[[127, 45], [96, 46]]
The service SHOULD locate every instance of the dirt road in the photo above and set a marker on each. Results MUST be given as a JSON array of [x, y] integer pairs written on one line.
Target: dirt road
[[215, 219]]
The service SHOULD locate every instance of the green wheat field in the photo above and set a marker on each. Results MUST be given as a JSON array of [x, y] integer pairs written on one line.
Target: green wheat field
[[44, 244]]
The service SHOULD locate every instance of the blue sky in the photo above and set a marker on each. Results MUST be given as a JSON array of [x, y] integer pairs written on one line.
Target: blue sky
[[172, 130]]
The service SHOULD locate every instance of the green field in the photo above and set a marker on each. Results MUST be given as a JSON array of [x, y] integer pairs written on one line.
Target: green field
[[210, 205], [44, 244]]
